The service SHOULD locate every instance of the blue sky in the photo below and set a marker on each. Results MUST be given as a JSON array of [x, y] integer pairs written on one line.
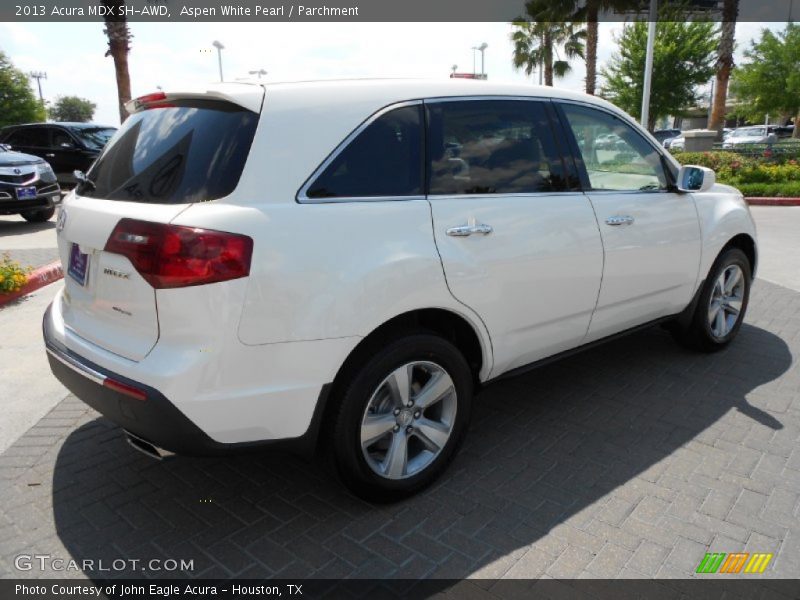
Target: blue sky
[[176, 54]]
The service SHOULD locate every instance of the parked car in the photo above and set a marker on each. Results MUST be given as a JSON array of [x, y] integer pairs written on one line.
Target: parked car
[[662, 135], [312, 263], [66, 146], [28, 186], [749, 135], [676, 144]]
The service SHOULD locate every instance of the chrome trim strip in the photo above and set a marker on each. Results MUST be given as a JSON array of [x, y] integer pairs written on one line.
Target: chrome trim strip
[[302, 196], [78, 367], [5, 196]]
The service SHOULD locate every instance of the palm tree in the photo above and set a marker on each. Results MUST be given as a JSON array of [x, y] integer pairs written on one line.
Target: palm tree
[[536, 45], [119, 45], [580, 11], [730, 10]]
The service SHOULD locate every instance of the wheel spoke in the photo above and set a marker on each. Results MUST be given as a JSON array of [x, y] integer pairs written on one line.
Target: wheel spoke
[[720, 324], [394, 465], [434, 435], [375, 427], [438, 386], [734, 277], [713, 310], [733, 306], [400, 384]]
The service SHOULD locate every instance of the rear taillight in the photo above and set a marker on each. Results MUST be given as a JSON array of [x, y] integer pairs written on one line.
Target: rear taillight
[[172, 256]]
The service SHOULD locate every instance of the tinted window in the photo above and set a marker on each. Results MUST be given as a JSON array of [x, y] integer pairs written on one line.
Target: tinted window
[[383, 160], [32, 136], [492, 147], [190, 151], [59, 137], [615, 155], [94, 137]]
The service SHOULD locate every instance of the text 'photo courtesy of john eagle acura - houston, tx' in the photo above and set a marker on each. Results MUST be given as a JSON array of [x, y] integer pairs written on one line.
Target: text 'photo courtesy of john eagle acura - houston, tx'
[[342, 265]]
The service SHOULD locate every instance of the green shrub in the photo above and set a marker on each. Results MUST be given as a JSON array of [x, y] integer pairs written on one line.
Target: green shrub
[[715, 160], [777, 190]]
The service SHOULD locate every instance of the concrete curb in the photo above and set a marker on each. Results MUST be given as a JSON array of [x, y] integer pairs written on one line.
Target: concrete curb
[[773, 201], [39, 278]]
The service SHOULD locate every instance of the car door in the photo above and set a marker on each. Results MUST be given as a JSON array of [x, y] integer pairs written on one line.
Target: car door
[[519, 242], [30, 140], [650, 232], [66, 154]]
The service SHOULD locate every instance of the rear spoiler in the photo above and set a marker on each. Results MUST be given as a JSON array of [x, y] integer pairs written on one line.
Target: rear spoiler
[[250, 97]]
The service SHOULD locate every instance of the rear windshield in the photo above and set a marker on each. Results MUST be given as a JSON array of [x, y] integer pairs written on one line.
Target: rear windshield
[[189, 151]]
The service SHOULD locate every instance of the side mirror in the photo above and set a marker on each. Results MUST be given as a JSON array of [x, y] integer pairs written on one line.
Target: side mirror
[[692, 178]]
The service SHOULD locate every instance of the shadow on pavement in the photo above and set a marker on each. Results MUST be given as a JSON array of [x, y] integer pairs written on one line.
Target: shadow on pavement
[[542, 448], [10, 228]]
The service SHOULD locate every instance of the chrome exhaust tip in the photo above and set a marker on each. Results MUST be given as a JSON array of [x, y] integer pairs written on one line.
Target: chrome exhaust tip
[[144, 446]]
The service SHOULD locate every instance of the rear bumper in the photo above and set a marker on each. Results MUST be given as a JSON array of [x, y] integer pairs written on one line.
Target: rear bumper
[[154, 418]]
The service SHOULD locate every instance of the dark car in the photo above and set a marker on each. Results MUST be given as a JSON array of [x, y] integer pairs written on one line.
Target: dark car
[[28, 186], [66, 146]]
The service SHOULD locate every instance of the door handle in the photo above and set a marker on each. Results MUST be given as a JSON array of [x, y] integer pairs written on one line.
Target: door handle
[[50, 155], [617, 220], [465, 230]]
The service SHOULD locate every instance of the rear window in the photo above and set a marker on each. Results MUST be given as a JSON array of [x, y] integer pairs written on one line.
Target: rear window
[[189, 151]]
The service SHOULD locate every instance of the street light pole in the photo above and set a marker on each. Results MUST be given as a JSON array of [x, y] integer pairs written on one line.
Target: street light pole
[[38, 76], [648, 62], [218, 45], [482, 48]]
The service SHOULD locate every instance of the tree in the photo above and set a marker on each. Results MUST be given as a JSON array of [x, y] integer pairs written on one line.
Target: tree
[[536, 45], [72, 108], [576, 12], [730, 11], [683, 58], [119, 45], [769, 83], [18, 103]]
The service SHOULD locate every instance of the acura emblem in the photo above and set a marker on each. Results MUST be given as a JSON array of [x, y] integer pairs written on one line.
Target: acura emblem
[[61, 221], [17, 171]]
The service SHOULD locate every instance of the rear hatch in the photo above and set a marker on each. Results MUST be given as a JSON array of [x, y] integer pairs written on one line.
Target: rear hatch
[[114, 234]]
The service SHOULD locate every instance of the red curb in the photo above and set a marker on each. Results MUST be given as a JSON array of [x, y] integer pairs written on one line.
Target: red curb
[[773, 201], [37, 279]]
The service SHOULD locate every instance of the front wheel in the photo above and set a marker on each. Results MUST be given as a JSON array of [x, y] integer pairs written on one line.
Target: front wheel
[[722, 304], [39, 216], [402, 418]]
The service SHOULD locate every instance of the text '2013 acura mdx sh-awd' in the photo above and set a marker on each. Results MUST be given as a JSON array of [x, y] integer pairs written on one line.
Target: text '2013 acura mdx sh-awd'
[[343, 264]]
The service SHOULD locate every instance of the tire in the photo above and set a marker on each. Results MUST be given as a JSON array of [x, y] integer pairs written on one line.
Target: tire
[[39, 216], [384, 451], [714, 325]]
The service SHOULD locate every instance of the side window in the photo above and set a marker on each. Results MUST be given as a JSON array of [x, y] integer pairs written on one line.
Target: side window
[[492, 147], [615, 155], [385, 159], [33, 136], [59, 137]]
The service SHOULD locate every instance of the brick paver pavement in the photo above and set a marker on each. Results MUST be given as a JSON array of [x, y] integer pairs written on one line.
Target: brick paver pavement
[[629, 460]]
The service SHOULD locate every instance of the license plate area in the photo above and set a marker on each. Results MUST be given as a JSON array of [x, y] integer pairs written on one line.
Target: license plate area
[[26, 193], [78, 267]]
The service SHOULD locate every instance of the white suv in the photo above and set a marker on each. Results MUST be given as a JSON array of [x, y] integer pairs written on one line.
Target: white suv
[[344, 264]]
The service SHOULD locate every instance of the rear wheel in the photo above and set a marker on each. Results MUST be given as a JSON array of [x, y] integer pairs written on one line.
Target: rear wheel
[[39, 216], [722, 304], [402, 418]]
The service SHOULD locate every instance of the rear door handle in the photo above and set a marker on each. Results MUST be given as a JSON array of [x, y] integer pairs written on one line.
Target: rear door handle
[[50, 155], [618, 220], [465, 230]]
